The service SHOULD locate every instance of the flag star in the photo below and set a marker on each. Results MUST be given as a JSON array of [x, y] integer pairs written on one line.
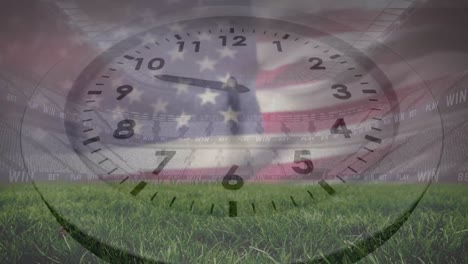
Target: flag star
[[176, 27], [228, 81], [204, 36], [103, 45], [138, 128], [230, 115], [181, 88], [122, 33], [39, 133], [118, 113], [117, 81], [176, 55], [160, 107], [208, 97], [227, 52], [183, 120], [135, 96], [148, 38], [206, 64]]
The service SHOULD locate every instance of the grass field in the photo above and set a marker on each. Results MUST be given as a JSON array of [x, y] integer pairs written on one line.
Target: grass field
[[437, 231]]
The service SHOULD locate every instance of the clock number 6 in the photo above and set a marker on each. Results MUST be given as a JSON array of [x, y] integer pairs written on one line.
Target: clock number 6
[[342, 90], [298, 158], [169, 155], [231, 181]]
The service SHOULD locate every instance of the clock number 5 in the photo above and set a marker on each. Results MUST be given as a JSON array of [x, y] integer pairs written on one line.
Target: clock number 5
[[342, 90], [298, 158], [169, 155]]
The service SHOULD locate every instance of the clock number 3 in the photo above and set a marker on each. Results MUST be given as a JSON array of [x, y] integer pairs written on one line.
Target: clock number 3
[[298, 158], [342, 90]]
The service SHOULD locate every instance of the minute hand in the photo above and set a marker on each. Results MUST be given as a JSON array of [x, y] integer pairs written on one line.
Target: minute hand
[[230, 85]]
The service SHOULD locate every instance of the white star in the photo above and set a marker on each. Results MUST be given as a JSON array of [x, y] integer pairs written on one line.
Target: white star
[[122, 33], [183, 120], [118, 113], [160, 106], [230, 115], [148, 38], [182, 88], [135, 96], [176, 55], [139, 126], [228, 81], [39, 133], [227, 52], [204, 36], [208, 97], [206, 64], [116, 82], [176, 28], [103, 45]]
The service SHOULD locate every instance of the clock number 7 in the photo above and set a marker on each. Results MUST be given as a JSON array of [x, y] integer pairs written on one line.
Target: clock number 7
[[298, 158], [169, 155]]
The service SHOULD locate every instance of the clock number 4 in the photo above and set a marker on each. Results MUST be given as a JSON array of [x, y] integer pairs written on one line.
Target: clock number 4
[[340, 128], [299, 158]]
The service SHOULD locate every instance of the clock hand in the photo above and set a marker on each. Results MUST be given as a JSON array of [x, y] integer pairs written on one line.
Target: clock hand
[[231, 83]]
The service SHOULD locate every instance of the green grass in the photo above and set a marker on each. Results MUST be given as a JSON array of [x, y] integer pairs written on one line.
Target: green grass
[[437, 231]]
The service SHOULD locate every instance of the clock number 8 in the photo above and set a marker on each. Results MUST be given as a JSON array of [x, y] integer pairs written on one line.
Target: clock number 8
[[125, 129]]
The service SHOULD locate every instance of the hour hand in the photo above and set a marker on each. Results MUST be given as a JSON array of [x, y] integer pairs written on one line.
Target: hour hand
[[230, 85]]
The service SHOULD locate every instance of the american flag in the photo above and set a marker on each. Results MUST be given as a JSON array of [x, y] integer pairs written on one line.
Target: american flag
[[77, 39]]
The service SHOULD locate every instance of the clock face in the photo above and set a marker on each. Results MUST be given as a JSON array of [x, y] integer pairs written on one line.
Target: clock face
[[232, 128], [227, 107]]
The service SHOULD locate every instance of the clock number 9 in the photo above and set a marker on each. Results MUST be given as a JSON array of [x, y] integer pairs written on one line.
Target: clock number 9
[[153, 64], [298, 158], [231, 181], [342, 90], [124, 90], [125, 129]]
